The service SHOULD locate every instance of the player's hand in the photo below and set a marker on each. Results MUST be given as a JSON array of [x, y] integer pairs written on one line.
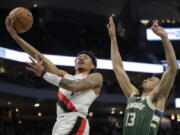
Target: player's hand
[[9, 27], [158, 30], [36, 66], [111, 28]]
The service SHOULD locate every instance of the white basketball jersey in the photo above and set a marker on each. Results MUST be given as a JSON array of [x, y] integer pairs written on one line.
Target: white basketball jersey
[[77, 101]]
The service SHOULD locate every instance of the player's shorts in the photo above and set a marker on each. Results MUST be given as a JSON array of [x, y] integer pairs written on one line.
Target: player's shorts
[[71, 124]]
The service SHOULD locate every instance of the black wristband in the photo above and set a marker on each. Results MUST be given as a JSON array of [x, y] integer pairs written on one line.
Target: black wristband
[[43, 72]]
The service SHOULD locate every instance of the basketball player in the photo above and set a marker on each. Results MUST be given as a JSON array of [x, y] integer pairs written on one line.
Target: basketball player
[[76, 92], [144, 108]]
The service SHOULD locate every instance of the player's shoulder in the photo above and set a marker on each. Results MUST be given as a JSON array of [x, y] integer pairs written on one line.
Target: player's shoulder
[[96, 74], [97, 78], [134, 95]]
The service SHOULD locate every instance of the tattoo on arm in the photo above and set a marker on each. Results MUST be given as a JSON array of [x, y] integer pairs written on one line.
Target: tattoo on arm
[[94, 80]]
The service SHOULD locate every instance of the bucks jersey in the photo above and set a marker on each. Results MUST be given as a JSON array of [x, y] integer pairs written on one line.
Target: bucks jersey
[[141, 117]]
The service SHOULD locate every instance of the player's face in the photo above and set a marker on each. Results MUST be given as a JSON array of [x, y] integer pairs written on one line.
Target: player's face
[[150, 83], [84, 62]]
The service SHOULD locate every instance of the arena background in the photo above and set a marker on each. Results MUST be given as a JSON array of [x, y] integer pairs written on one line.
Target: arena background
[[65, 27]]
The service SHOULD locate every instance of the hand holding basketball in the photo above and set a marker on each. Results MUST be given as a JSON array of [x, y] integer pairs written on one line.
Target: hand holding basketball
[[9, 27], [22, 19]]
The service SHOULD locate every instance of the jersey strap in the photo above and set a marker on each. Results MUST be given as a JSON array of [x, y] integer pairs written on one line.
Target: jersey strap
[[79, 127], [156, 118], [135, 95], [158, 112], [65, 103]]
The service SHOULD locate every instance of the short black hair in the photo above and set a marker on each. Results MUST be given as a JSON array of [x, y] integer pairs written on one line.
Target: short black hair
[[92, 56], [158, 75]]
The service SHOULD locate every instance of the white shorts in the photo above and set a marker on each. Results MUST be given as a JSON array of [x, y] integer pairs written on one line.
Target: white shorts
[[71, 124]]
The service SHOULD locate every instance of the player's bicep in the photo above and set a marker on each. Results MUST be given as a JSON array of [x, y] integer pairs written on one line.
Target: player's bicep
[[94, 80], [165, 85], [127, 87]]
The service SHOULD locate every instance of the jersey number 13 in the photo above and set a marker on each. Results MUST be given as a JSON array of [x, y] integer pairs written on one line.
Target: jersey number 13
[[130, 119]]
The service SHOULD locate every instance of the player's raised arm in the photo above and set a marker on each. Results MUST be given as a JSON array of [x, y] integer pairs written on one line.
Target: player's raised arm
[[118, 68], [50, 67], [167, 80], [93, 80]]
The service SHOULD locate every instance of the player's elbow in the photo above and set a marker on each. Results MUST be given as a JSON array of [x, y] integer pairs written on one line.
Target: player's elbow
[[119, 72], [173, 70], [117, 65], [117, 68]]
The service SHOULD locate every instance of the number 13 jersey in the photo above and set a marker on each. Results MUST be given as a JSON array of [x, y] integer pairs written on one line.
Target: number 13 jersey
[[141, 117]]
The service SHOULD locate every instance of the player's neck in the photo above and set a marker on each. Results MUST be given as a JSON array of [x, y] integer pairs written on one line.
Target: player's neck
[[146, 93], [82, 72]]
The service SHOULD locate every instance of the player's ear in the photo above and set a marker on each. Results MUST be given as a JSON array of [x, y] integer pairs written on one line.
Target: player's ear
[[92, 66]]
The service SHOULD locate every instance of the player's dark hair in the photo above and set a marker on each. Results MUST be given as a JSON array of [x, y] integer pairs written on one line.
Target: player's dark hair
[[158, 75]]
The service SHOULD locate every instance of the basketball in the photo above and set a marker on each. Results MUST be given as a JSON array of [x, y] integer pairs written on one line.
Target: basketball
[[23, 19]]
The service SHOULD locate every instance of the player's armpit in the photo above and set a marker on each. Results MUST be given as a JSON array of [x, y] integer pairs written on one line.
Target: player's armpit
[[165, 85]]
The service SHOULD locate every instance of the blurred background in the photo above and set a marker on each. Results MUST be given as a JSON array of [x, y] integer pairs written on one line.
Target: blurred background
[[65, 27]]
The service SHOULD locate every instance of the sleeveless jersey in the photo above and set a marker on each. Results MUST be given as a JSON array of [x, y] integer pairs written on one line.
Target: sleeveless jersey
[[77, 101], [141, 117]]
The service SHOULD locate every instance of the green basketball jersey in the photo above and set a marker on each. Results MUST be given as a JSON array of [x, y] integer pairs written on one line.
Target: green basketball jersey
[[141, 118]]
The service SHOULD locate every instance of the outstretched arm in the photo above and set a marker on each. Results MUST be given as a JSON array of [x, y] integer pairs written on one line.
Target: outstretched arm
[[118, 68], [167, 80], [50, 67], [92, 81]]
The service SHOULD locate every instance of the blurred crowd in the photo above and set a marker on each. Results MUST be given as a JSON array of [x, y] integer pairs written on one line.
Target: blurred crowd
[[44, 127], [66, 38]]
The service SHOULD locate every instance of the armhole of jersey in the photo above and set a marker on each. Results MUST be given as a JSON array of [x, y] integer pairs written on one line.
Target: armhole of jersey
[[150, 104], [95, 91], [65, 74], [133, 94]]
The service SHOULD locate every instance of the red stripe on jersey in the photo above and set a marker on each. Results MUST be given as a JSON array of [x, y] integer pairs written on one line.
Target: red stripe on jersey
[[66, 101], [82, 127]]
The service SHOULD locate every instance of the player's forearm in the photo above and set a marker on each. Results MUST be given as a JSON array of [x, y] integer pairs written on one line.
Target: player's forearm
[[27, 47], [72, 85], [50, 67], [67, 84], [170, 54], [58, 81], [115, 55]]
